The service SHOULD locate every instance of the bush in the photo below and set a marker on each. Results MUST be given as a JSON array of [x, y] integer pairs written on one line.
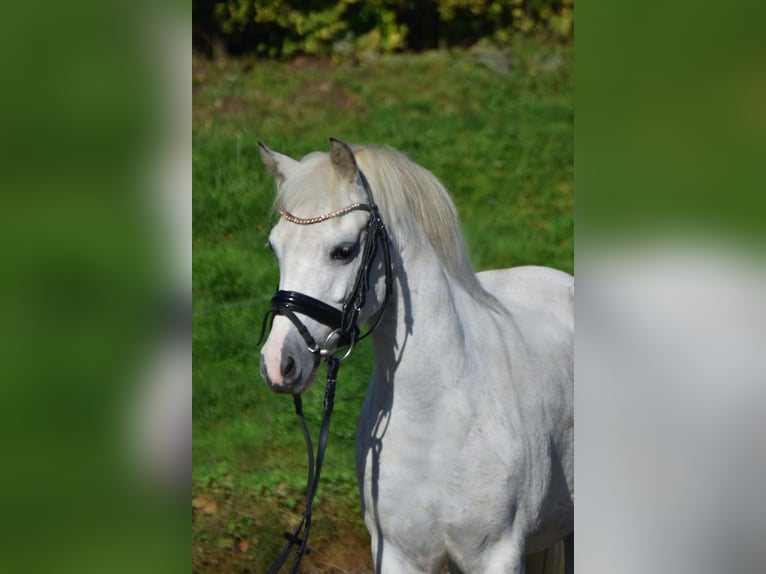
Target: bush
[[278, 28]]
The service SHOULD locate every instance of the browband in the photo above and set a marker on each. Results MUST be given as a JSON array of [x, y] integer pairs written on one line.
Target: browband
[[311, 220]]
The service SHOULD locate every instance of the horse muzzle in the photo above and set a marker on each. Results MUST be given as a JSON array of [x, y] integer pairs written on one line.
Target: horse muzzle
[[287, 365]]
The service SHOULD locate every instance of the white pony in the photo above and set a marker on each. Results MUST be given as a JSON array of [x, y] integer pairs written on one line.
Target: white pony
[[465, 439]]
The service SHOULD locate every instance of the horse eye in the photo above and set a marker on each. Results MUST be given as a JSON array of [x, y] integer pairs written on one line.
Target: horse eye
[[342, 253]]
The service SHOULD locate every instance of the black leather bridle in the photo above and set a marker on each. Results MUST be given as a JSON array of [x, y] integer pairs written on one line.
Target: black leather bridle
[[344, 335]]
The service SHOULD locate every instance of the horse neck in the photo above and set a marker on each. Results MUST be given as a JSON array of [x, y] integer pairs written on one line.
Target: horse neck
[[427, 329]]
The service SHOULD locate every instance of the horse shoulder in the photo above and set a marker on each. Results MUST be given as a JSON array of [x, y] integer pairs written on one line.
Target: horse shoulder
[[533, 292], [540, 304]]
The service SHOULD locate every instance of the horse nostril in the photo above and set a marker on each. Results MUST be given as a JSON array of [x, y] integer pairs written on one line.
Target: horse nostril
[[288, 366]]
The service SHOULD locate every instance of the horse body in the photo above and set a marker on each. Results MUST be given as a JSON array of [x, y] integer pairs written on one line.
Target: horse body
[[464, 441], [465, 437]]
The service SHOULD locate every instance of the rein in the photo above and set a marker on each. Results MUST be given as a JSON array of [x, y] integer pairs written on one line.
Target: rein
[[344, 334]]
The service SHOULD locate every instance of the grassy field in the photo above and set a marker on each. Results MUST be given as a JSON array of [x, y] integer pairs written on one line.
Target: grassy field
[[496, 129]]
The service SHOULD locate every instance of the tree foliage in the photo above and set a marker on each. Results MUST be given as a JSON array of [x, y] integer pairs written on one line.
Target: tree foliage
[[278, 28]]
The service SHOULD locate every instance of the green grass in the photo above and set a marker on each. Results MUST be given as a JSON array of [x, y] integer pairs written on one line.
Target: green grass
[[502, 144]]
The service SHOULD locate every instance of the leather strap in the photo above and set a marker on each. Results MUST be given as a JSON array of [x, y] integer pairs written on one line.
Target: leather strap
[[305, 305], [300, 535]]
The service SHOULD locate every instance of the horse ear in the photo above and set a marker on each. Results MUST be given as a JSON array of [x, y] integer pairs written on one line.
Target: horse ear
[[343, 159], [280, 166]]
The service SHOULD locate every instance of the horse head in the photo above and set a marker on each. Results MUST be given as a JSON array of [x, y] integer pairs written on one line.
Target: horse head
[[331, 268]]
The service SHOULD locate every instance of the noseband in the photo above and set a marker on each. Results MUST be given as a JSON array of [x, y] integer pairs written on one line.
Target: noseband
[[344, 334]]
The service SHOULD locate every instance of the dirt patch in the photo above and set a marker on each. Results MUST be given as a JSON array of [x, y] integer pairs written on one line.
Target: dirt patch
[[205, 505], [235, 533], [232, 105], [329, 93], [308, 63], [347, 552]]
